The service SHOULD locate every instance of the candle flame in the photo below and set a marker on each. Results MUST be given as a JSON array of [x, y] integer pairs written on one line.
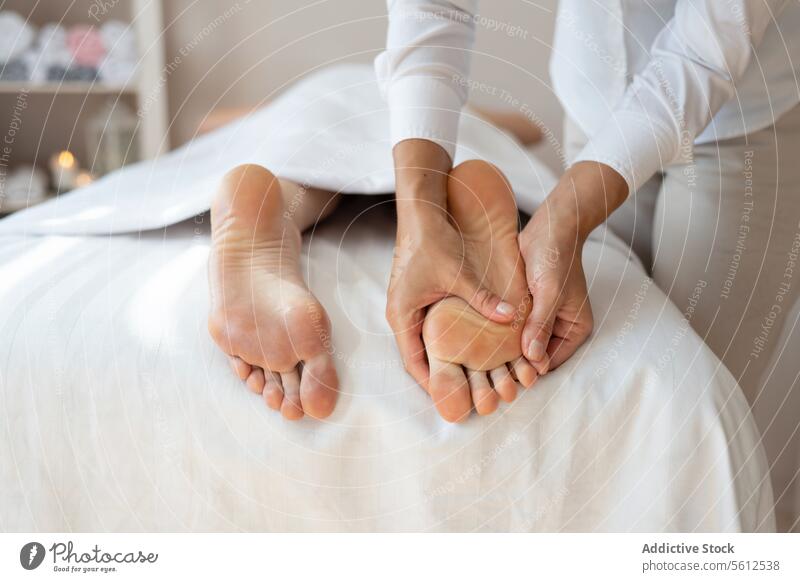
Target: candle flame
[[83, 179], [66, 159]]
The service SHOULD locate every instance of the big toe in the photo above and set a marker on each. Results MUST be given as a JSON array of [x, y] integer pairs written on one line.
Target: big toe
[[319, 386], [449, 390]]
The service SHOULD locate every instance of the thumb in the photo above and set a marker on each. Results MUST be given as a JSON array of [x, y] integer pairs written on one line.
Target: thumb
[[539, 327], [482, 300]]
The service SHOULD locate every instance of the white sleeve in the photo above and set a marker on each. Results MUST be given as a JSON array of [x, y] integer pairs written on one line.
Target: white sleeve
[[423, 71], [694, 65]]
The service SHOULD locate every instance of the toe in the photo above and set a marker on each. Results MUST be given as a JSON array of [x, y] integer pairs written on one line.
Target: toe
[[319, 386], [525, 373], [291, 408], [449, 390], [483, 395], [503, 383], [255, 381], [240, 367], [273, 390]]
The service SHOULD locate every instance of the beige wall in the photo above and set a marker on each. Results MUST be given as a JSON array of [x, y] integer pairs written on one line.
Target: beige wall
[[239, 53]]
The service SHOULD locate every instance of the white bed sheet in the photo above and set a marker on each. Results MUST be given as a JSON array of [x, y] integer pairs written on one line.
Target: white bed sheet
[[118, 413]]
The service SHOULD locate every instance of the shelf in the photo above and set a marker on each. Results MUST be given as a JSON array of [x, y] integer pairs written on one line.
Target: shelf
[[66, 88], [55, 117]]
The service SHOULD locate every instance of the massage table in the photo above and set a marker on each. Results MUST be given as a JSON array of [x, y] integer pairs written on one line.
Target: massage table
[[118, 413]]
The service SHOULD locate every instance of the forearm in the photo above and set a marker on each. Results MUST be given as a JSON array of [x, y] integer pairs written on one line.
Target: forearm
[[421, 73], [584, 198], [695, 63], [421, 170]]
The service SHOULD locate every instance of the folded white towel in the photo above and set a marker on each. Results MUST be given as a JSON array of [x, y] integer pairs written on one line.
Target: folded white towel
[[119, 65], [16, 35], [119, 40], [117, 71], [52, 38], [25, 185], [49, 50]]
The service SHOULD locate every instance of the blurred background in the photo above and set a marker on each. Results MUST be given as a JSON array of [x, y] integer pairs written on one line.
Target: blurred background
[[268, 45], [87, 86]]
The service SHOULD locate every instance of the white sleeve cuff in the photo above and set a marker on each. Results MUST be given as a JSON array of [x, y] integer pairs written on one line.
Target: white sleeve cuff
[[424, 108], [634, 145]]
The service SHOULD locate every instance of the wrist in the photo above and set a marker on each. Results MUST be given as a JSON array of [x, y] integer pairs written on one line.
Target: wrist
[[421, 171], [420, 217], [586, 195]]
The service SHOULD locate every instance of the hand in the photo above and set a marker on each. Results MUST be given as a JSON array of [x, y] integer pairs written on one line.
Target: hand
[[552, 245], [561, 315], [430, 264]]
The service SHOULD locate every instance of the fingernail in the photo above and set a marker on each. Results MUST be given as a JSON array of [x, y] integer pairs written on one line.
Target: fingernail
[[504, 308], [536, 350]]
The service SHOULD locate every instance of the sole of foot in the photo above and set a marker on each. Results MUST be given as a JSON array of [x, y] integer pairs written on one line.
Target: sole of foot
[[273, 330], [474, 362]]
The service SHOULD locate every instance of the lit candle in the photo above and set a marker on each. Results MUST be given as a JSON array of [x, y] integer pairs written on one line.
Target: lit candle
[[83, 179], [63, 170]]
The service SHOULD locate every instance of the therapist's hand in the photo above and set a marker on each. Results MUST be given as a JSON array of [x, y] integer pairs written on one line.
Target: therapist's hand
[[429, 261], [552, 245]]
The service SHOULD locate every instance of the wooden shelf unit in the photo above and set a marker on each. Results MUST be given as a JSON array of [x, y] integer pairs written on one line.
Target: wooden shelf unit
[[148, 88]]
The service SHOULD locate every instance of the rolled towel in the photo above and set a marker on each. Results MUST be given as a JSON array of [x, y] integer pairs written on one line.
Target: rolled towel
[[52, 38], [119, 66], [119, 40], [25, 184], [16, 70], [36, 64], [49, 50], [16, 35], [117, 72], [86, 45], [59, 74]]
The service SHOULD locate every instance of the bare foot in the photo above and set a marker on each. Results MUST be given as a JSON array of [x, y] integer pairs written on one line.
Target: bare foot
[[262, 313], [474, 361]]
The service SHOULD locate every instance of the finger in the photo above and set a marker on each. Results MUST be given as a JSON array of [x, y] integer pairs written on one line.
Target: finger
[[568, 336], [539, 325], [484, 397], [488, 304], [409, 341], [561, 349], [503, 383]]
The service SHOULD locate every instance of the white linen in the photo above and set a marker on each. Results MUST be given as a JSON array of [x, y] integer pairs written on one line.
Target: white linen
[[643, 79], [119, 413]]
